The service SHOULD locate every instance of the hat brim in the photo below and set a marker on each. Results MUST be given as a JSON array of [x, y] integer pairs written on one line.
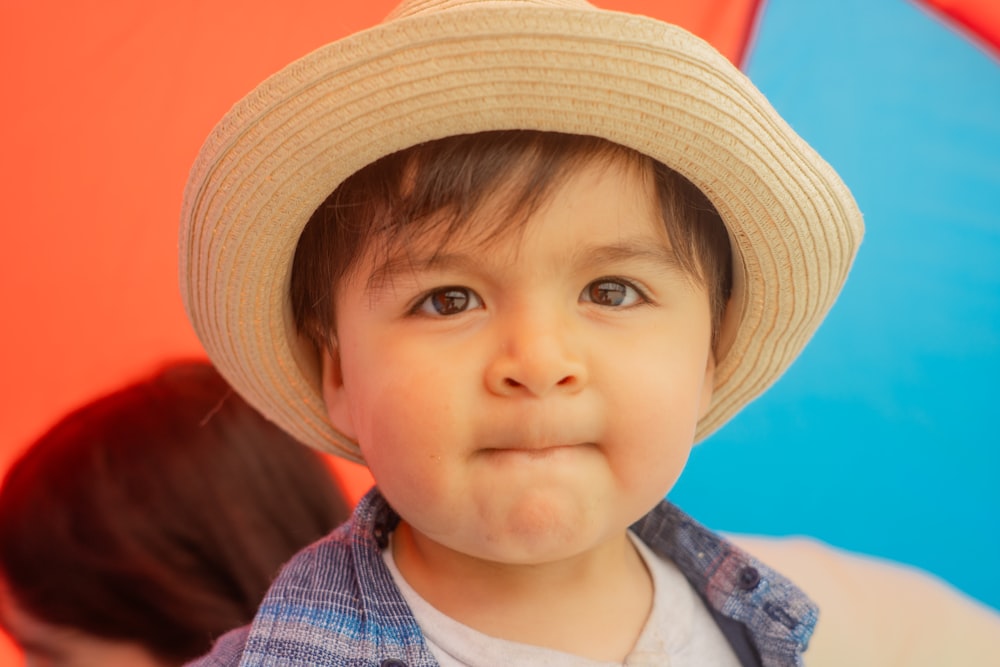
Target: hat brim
[[653, 87]]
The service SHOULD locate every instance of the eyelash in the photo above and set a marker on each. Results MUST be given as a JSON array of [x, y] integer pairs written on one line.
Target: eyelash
[[425, 304]]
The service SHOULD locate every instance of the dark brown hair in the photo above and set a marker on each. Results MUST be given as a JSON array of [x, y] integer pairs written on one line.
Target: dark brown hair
[[160, 513], [404, 194]]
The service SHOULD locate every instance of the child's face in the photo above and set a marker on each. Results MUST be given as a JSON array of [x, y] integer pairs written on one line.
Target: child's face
[[527, 400]]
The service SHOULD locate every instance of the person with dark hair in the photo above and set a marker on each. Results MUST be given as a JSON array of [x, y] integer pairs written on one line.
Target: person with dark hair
[[150, 521]]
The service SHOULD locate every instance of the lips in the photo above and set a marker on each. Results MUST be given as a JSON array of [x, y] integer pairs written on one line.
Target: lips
[[530, 440], [538, 432], [533, 452]]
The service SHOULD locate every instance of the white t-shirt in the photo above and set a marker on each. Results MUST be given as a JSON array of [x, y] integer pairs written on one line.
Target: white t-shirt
[[679, 632]]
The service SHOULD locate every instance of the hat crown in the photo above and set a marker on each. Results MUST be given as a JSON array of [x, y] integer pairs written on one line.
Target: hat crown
[[409, 8]]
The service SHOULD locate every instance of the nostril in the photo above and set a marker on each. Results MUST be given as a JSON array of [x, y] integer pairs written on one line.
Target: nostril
[[566, 380], [511, 382]]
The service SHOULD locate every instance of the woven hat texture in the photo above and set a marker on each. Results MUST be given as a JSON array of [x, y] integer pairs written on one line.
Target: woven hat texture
[[437, 68]]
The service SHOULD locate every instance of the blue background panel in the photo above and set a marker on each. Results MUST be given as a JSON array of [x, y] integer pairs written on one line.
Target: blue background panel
[[882, 437]]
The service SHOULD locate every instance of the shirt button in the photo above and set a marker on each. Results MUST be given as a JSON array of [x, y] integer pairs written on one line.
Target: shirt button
[[393, 662], [748, 578]]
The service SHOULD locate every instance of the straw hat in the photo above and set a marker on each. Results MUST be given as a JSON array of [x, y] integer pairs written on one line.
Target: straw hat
[[437, 68]]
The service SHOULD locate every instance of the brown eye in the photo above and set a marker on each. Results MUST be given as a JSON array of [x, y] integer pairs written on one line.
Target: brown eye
[[607, 293], [612, 293], [449, 301]]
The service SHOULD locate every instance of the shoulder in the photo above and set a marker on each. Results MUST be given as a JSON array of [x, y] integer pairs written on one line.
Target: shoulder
[[314, 580], [333, 603], [326, 563], [874, 612], [228, 650]]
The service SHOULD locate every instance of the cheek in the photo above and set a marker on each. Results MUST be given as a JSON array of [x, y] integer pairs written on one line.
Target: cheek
[[401, 406], [662, 385], [655, 413], [654, 445], [405, 425]]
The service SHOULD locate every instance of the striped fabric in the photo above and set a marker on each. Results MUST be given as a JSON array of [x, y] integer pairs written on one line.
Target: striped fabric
[[335, 603]]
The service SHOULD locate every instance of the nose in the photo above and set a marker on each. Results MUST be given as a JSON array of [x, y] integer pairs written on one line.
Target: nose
[[537, 355]]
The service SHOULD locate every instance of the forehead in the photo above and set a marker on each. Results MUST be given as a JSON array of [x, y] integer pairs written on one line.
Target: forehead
[[602, 200], [447, 211]]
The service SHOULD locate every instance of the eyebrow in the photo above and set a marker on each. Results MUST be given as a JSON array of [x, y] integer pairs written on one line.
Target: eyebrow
[[626, 250], [630, 250], [403, 263]]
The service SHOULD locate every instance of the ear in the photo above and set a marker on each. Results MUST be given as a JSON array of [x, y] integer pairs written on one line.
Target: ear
[[708, 385], [338, 405]]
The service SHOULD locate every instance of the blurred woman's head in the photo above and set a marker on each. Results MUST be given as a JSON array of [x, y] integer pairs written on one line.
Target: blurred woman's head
[[153, 519]]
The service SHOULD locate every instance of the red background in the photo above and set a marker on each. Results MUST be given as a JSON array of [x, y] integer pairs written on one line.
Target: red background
[[104, 109]]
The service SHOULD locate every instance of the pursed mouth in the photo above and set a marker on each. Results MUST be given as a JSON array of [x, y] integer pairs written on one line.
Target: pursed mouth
[[533, 452]]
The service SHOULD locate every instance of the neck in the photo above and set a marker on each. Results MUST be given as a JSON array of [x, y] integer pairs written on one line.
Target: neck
[[593, 604]]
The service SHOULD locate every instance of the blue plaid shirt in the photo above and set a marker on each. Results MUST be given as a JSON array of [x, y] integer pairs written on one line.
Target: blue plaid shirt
[[335, 602]]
